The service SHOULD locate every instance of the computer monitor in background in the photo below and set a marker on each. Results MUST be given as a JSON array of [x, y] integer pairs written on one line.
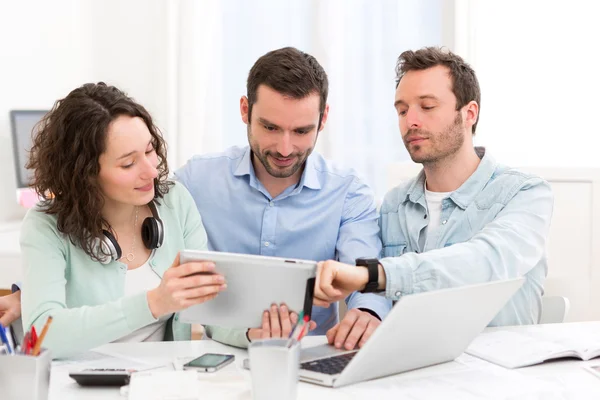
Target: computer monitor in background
[[22, 124]]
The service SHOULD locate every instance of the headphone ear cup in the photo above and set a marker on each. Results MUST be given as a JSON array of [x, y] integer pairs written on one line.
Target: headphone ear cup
[[151, 233], [111, 246]]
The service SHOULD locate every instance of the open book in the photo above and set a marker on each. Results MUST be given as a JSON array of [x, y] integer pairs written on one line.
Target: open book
[[534, 344]]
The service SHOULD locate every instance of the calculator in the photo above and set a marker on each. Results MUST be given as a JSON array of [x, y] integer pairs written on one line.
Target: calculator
[[102, 377]]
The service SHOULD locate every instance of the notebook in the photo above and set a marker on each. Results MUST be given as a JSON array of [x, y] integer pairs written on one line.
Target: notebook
[[534, 344]]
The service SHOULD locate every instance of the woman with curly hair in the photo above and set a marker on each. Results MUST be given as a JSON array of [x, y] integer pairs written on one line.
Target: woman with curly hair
[[100, 250]]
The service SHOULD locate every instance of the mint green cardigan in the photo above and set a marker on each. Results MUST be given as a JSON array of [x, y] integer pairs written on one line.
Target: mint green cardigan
[[86, 298]]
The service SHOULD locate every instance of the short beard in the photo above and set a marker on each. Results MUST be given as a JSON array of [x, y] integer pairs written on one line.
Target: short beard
[[263, 157], [443, 144]]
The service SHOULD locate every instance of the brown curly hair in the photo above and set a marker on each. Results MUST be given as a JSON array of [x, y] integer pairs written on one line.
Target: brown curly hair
[[65, 160]]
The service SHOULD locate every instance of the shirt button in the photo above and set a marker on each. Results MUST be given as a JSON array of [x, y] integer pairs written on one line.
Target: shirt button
[[267, 244], [444, 222], [398, 294], [271, 204]]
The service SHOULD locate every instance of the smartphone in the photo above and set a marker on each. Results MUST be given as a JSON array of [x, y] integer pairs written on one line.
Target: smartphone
[[210, 362]]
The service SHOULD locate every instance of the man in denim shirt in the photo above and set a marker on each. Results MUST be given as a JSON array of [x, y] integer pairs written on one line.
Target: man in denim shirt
[[464, 219]]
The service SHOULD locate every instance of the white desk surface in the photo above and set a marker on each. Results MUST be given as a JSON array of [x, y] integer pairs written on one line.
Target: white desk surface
[[10, 254], [465, 378]]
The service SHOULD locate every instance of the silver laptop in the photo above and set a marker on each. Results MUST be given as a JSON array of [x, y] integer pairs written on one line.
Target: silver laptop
[[421, 330]]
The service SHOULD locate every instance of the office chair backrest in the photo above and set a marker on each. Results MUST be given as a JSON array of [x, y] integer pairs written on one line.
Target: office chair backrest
[[554, 309]]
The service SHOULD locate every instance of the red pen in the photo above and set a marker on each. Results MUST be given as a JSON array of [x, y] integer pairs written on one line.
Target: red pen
[[26, 343], [34, 337], [304, 325]]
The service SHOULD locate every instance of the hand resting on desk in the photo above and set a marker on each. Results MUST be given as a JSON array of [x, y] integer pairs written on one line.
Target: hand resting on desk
[[336, 281], [354, 330]]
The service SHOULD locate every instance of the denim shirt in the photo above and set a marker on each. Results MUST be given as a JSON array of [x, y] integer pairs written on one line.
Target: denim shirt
[[495, 226]]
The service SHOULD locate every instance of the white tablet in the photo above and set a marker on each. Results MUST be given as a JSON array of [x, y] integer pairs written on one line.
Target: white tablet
[[253, 284]]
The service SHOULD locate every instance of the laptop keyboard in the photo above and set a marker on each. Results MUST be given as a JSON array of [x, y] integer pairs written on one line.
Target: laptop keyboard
[[330, 366]]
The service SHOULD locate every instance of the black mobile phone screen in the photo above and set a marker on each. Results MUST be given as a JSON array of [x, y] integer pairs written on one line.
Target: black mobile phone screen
[[209, 360]]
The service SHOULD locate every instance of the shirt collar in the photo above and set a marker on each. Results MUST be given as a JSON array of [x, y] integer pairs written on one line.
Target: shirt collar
[[309, 177], [465, 194], [244, 166]]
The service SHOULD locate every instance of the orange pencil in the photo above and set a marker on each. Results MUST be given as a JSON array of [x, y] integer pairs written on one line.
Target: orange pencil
[[38, 343]]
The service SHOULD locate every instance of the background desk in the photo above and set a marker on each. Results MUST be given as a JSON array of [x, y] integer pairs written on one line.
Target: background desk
[[10, 254], [565, 379]]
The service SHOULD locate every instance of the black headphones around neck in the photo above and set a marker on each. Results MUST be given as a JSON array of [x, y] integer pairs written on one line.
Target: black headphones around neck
[[153, 234]]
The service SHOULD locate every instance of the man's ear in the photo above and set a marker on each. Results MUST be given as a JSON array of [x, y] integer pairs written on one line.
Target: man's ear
[[472, 112], [244, 108], [324, 117]]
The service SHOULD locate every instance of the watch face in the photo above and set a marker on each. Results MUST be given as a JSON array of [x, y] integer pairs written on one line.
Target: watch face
[[363, 261]]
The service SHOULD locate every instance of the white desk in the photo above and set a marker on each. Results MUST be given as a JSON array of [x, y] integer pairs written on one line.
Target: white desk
[[555, 380], [10, 254]]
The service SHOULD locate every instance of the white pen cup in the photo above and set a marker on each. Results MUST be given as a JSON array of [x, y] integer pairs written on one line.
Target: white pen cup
[[25, 377], [274, 369]]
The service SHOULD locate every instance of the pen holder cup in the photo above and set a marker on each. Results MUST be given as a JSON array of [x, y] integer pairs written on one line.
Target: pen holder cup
[[25, 377], [274, 369]]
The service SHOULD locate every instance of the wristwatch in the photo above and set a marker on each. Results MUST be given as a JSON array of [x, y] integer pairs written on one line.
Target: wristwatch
[[372, 265]]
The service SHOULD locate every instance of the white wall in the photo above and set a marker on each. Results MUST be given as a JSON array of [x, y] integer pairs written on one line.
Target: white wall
[[42, 44], [185, 60], [537, 65], [356, 41], [535, 60], [48, 48]]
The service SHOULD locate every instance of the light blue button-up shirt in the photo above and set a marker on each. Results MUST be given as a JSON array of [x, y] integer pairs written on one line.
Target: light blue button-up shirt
[[495, 226], [329, 214]]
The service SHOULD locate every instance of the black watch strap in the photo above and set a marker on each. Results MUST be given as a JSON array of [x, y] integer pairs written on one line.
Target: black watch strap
[[372, 265]]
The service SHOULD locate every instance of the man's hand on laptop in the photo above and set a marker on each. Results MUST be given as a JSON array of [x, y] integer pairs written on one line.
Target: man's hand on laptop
[[277, 322], [356, 328], [335, 281]]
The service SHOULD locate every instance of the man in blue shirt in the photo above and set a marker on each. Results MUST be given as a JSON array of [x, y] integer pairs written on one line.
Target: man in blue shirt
[[277, 197], [464, 219]]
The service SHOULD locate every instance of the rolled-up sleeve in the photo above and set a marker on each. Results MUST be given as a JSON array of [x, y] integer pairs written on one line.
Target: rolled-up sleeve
[[510, 246]]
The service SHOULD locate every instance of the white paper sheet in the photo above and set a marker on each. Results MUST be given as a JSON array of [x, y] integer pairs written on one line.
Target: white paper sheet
[[96, 359], [462, 385]]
